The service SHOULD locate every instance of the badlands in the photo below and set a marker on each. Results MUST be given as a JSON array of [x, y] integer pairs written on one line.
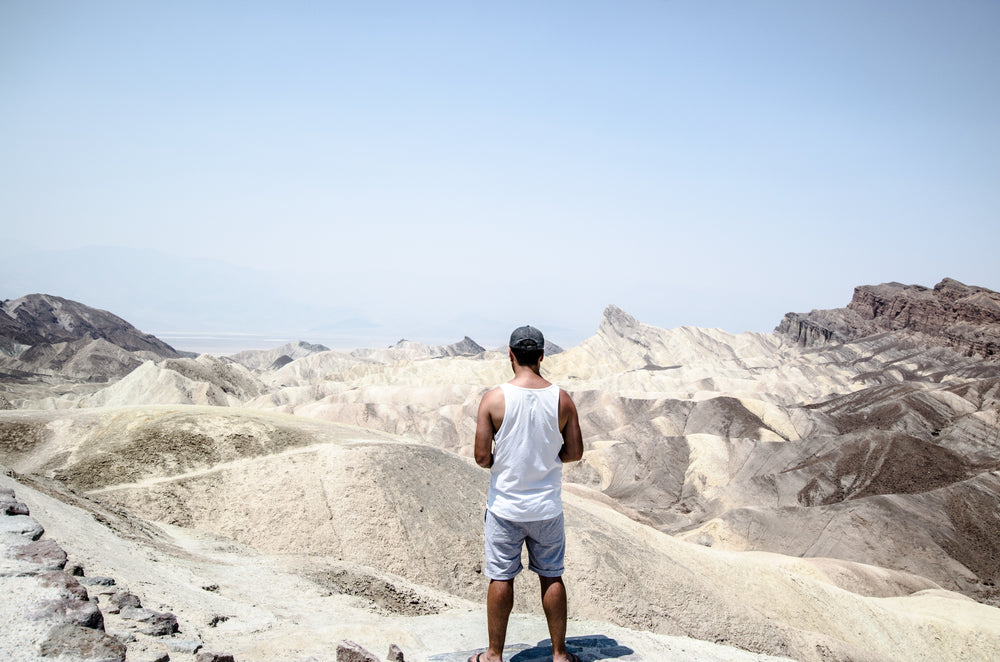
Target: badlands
[[829, 491]]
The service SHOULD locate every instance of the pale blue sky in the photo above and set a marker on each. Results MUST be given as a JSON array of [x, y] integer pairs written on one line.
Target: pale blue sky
[[346, 172]]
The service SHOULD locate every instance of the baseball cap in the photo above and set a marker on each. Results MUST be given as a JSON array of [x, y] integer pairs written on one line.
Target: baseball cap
[[527, 337]]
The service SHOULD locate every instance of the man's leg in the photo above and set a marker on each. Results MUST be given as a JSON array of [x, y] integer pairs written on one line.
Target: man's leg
[[546, 550], [554, 604], [499, 602]]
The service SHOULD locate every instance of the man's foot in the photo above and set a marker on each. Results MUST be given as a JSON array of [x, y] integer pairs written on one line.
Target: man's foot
[[570, 657], [485, 657]]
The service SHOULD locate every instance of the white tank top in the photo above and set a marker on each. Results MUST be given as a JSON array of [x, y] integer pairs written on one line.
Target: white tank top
[[526, 478]]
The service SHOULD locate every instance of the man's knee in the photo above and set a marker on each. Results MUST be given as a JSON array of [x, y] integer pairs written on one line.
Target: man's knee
[[547, 582], [502, 585], [501, 590]]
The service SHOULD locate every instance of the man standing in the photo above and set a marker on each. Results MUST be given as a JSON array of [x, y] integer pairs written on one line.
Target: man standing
[[526, 429]]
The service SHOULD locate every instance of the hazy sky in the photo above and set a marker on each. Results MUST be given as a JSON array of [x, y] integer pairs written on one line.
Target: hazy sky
[[366, 171]]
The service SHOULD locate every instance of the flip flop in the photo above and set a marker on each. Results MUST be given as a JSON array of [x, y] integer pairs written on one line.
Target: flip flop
[[477, 658]]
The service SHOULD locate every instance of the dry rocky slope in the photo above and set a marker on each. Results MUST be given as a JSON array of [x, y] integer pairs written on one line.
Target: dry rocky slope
[[830, 491]]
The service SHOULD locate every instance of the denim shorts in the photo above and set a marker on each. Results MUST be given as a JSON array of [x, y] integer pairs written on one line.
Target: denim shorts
[[546, 541]]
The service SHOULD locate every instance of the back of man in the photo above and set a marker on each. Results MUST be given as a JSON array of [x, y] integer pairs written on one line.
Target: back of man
[[525, 430], [526, 476]]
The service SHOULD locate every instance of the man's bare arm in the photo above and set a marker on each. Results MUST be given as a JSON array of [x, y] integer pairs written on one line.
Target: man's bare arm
[[569, 426], [486, 428]]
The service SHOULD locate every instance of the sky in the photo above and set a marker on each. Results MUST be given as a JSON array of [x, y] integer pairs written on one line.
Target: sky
[[354, 173]]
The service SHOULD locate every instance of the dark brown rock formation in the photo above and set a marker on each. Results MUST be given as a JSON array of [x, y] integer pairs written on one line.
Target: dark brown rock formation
[[214, 657], [153, 623], [348, 651], [43, 318], [952, 314], [81, 643], [41, 334]]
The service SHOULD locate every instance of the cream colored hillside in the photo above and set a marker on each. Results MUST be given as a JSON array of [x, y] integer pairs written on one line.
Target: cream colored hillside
[[357, 504]]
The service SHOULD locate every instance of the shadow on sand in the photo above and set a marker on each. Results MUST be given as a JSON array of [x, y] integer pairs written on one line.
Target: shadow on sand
[[592, 648], [588, 649]]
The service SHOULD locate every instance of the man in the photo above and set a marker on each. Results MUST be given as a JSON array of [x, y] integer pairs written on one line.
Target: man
[[526, 429]]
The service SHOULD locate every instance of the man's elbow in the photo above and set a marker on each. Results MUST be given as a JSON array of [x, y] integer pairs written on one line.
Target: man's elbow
[[568, 455], [485, 460]]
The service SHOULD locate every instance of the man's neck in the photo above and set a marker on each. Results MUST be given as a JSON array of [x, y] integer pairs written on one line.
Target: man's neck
[[529, 377], [527, 370]]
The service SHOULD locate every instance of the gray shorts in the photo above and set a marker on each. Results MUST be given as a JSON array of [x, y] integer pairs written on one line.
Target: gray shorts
[[546, 541]]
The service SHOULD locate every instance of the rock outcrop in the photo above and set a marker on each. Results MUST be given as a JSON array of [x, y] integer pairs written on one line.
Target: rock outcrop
[[349, 651], [952, 314]]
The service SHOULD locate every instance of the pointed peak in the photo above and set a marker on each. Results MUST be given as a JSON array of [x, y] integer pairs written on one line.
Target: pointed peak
[[467, 346], [618, 320], [310, 347]]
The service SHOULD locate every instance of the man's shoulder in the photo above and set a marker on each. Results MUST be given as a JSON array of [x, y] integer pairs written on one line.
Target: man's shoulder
[[493, 395], [566, 401]]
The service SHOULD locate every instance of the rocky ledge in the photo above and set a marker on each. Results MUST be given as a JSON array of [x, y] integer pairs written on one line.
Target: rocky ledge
[[49, 611]]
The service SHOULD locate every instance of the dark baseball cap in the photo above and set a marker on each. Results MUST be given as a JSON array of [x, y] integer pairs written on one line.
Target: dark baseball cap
[[527, 337]]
